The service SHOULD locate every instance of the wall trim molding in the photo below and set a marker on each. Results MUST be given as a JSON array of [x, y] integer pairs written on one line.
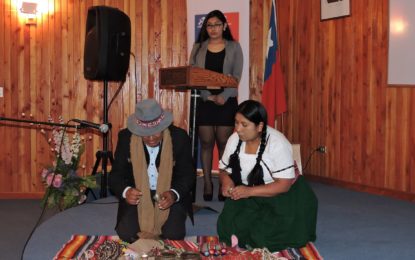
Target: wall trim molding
[[364, 188], [343, 184], [21, 195]]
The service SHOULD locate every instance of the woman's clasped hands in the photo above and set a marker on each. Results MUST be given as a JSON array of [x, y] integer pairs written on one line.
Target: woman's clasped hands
[[218, 99], [236, 193]]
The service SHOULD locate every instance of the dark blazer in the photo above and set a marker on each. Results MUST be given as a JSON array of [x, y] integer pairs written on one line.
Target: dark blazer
[[183, 177]]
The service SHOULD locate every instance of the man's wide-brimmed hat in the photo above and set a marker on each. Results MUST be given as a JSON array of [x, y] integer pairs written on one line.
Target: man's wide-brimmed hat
[[149, 118]]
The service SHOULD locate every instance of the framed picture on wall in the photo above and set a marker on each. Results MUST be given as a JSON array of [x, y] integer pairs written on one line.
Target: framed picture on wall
[[334, 9]]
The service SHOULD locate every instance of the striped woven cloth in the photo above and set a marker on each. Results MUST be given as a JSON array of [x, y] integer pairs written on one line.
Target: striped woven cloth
[[308, 252], [111, 247], [91, 247]]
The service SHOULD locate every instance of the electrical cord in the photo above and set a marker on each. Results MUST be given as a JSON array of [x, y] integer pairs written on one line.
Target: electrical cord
[[34, 228], [135, 76], [43, 212], [122, 84], [309, 158], [115, 94], [46, 198]]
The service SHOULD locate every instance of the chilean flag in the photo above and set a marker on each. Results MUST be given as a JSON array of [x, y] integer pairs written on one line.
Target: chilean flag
[[273, 92]]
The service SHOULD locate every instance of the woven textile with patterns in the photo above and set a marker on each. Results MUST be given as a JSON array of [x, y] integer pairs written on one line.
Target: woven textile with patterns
[[111, 247]]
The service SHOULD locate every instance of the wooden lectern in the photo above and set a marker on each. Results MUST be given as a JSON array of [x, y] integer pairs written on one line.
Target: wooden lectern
[[194, 78], [188, 77]]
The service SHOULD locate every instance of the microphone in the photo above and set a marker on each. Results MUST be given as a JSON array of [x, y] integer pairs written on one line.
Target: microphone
[[103, 128]]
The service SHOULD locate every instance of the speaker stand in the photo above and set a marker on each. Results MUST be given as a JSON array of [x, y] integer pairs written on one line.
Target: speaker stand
[[104, 155]]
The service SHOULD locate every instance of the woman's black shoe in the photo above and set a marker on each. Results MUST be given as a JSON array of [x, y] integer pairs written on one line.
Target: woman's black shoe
[[207, 196]]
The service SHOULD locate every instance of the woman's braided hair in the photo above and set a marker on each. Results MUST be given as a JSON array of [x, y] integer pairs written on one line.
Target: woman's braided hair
[[235, 165], [256, 176], [256, 113]]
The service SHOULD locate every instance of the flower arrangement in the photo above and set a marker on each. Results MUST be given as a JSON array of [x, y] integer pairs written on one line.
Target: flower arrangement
[[64, 187]]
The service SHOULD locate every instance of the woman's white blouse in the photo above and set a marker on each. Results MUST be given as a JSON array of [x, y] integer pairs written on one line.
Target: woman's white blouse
[[277, 159]]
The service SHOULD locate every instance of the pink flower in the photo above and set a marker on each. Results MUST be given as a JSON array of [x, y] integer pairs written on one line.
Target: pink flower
[[57, 182], [49, 179], [45, 172]]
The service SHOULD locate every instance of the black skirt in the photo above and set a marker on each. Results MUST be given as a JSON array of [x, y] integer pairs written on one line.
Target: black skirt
[[208, 113]]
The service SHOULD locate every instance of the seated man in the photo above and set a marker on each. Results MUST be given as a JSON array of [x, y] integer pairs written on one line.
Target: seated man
[[152, 176]]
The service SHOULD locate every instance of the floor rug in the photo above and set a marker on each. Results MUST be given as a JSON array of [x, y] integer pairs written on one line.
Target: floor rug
[[111, 247]]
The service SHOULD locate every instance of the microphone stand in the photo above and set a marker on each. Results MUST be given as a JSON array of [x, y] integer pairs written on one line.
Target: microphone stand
[[33, 122], [100, 155]]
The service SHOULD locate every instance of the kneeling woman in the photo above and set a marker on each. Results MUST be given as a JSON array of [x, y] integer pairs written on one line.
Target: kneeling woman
[[269, 205]]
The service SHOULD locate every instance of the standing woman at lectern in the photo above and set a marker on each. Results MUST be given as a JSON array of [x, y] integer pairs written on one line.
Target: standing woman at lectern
[[215, 49]]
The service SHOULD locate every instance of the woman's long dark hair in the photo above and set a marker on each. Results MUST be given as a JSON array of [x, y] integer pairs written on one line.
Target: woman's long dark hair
[[203, 35], [256, 113]]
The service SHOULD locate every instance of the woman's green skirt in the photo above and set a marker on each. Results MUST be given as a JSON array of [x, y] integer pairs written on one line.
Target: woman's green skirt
[[286, 220]]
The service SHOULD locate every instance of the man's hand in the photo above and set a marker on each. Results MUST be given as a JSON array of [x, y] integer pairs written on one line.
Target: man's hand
[[167, 199], [132, 196]]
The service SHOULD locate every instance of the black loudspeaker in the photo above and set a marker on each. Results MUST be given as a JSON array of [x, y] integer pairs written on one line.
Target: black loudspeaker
[[107, 44]]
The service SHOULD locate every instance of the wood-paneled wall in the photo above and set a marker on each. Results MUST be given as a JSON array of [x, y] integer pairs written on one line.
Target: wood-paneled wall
[[42, 75], [335, 73]]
